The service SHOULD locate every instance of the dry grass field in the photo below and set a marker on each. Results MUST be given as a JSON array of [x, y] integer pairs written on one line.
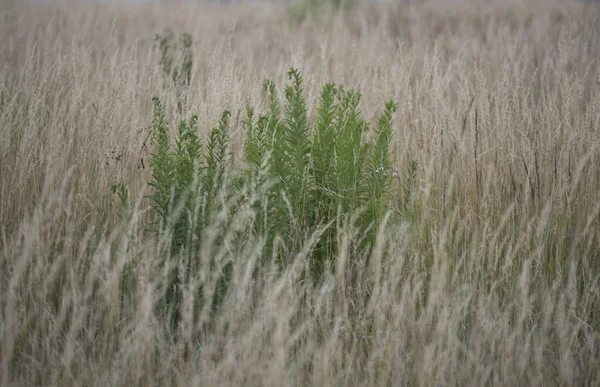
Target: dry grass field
[[492, 280]]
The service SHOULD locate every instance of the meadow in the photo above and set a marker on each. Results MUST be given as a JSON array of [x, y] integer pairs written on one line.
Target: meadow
[[311, 194]]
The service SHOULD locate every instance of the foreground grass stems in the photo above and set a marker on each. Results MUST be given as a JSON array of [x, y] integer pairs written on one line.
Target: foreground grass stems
[[237, 231]]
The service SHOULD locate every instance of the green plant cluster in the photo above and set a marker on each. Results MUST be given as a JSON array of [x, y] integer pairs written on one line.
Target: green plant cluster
[[298, 174], [306, 9], [176, 60], [322, 166]]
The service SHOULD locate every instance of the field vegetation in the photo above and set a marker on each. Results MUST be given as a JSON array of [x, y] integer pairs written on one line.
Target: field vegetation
[[306, 194]]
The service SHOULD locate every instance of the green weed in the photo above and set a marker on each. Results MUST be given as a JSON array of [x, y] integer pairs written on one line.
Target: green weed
[[313, 9], [310, 172], [176, 60]]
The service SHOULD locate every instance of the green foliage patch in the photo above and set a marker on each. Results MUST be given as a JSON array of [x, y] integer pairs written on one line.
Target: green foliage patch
[[307, 9], [299, 175], [176, 58]]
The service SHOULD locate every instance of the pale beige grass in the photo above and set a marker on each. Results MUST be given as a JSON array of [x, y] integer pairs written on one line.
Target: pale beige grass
[[497, 284]]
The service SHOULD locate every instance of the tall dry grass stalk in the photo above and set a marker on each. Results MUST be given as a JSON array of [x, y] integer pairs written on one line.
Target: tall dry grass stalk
[[496, 282]]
